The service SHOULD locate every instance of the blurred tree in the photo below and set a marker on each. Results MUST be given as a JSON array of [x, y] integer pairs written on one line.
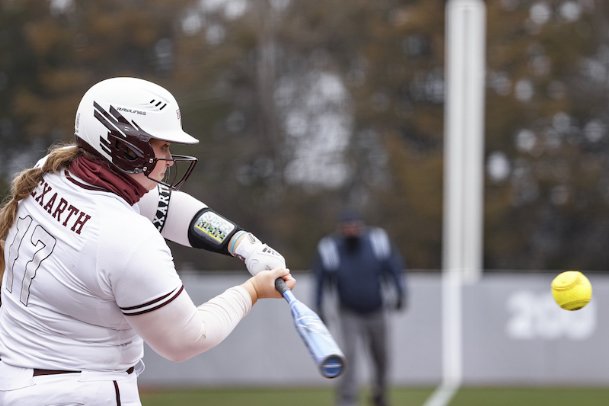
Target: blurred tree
[[54, 50], [304, 107], [318, 106], [546, 200]]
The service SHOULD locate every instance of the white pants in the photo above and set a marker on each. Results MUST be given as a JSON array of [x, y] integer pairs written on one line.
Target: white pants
[[19, 387]]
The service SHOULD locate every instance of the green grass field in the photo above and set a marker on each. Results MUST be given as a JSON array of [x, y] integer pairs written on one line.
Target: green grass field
[[399, 396]]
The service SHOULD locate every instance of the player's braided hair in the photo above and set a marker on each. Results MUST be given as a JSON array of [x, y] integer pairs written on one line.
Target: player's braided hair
[[25, 182]]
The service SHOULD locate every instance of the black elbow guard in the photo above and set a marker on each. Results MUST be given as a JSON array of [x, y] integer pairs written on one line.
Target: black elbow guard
[[210, 231]]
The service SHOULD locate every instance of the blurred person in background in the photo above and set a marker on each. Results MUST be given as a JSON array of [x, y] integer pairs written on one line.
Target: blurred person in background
[[87, 274], [355, 263]]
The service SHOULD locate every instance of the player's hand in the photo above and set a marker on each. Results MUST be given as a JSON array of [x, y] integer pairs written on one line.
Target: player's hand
[[256, 255], [262, 285]]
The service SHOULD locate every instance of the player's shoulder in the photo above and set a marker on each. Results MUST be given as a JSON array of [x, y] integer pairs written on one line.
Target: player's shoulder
[[117, 220], [380, 241], [128, 237], [375, 231], [328, 240], [124, 221], [377, 234]]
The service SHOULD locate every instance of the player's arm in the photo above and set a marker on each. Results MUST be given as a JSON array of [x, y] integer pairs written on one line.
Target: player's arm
[[187, 221], [180, 330], [391, 260], [395, 267], [142, 279], [326, 259]]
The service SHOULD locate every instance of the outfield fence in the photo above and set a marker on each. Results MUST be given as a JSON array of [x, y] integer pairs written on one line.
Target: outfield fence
[[513, 334]]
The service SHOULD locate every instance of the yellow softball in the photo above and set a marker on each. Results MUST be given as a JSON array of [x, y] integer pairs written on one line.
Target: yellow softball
[[571, 290]]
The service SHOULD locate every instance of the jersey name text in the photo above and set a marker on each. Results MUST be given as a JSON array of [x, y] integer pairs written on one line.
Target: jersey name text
[[59, 208]]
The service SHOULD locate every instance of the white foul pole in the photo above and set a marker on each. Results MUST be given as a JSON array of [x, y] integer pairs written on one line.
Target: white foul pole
[[463, 178], [463, 137]]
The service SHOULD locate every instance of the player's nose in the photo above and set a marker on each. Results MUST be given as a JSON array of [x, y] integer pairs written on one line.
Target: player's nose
[[169, 158]]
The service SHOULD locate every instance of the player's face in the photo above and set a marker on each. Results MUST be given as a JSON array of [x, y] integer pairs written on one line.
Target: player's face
[[351, 229], [162, 152]]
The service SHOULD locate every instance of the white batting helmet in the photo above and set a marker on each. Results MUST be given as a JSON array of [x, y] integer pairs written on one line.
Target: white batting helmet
[[117, 118]]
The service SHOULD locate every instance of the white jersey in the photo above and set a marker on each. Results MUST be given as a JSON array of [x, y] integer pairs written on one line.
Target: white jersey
[[78, 261]]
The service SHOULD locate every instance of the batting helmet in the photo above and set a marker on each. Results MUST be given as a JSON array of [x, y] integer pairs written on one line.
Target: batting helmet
[[117, 118]]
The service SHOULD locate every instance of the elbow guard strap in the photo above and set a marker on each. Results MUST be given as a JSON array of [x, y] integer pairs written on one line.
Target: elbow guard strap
[[210, 231]]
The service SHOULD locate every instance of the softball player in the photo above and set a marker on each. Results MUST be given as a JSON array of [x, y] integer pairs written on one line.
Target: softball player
[[88, 276]]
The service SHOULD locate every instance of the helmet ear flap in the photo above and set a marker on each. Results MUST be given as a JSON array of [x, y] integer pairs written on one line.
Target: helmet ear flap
[[131, 156]]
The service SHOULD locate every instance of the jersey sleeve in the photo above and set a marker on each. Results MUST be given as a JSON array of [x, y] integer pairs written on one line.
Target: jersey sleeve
[[393, 261], [326, 260], [139, 270]]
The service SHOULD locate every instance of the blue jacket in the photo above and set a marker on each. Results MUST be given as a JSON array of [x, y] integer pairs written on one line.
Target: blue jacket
[[358, 271]]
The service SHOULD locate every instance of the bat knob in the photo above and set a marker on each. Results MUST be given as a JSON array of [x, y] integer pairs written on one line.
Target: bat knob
[[332, 366], [281, 286]]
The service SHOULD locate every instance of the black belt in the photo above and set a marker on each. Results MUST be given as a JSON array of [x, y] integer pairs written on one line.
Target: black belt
[[40, 372]]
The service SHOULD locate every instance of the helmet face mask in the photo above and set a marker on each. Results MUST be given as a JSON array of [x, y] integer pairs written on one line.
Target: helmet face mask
[[117, 118], [177, 174]]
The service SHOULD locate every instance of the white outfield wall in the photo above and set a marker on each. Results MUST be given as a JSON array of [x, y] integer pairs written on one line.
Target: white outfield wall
[[513, 334]]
